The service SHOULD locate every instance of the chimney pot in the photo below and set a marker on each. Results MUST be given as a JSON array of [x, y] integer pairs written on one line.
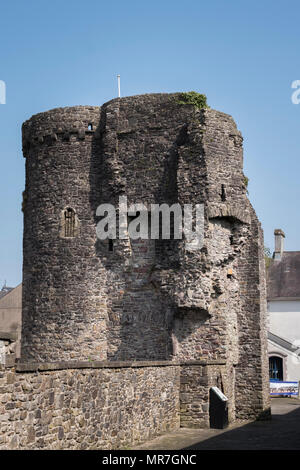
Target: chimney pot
[[279, 236]]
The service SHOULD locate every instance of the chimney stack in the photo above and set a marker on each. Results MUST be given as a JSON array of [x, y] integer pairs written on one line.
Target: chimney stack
[[279, 236]]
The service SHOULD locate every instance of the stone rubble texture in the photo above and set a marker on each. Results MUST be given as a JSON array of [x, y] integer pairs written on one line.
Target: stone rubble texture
[[87, 408], [204, 311]]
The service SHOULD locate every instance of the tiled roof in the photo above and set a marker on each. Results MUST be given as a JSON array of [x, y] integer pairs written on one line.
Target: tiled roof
[[284, 343], [283, 278]]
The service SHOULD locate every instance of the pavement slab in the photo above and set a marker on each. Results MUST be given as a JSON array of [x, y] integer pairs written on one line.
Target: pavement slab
[[282, 432]]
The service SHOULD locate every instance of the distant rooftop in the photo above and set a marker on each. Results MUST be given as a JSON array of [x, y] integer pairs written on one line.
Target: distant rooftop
[[5, 290], [284, 276]]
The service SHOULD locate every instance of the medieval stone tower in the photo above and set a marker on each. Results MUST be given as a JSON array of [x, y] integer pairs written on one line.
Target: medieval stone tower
[[143, 300]]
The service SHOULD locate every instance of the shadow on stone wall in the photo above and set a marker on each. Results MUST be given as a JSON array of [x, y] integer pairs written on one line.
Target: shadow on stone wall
[[140, 317]]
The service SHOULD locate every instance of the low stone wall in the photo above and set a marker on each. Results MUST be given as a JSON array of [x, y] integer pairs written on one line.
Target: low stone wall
[[106, 405], [87, 405]]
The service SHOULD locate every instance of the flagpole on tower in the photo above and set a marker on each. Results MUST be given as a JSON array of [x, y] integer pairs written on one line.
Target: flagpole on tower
[[119, 86]]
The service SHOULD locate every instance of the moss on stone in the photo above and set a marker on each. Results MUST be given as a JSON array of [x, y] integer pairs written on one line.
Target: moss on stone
[[192, 97]]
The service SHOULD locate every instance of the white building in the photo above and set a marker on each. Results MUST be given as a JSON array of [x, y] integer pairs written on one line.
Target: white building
[[283, 285]]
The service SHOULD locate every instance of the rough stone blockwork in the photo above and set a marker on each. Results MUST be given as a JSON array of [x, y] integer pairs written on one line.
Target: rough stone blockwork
[[98, 408], [144, 300], [195, 382]]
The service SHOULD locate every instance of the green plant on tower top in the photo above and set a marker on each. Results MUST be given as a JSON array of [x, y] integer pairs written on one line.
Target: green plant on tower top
[[192, 97]]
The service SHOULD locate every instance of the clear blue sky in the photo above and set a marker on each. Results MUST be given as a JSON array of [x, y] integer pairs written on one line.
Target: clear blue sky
[[243, 55]]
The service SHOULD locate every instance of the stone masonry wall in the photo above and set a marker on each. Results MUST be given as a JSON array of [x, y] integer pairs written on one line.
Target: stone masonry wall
[[83, 406], [86, 299], [195, 382], [252, 379], [64, 310]]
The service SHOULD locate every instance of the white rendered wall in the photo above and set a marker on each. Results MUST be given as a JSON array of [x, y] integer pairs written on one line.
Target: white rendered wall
[[284, 319], [290, 361]]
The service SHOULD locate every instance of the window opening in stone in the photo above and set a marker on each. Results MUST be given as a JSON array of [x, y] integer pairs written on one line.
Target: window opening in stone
[[69, 222], [223, 193], [110, 245], [90, 127], [276, 368]]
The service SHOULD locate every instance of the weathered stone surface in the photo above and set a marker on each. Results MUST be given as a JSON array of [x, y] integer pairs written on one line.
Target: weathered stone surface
[[111, 408], [120, 338], [146, 299]]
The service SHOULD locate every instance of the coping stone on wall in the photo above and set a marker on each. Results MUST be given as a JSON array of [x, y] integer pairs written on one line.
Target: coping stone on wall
[[47, 366]]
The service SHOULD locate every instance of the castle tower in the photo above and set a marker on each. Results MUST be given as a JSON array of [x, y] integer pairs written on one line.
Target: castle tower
[[128, 299], [64, 312]]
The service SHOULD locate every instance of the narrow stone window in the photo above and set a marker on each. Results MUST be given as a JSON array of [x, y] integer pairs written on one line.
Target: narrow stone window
[[69, 223], [90, 127], [110, 245], [223, 193]]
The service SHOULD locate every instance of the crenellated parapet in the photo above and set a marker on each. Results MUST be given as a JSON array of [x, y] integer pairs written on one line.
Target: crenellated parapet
[[61, 124]]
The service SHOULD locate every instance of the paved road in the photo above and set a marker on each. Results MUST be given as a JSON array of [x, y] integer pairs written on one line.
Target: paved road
[[280, 433]]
